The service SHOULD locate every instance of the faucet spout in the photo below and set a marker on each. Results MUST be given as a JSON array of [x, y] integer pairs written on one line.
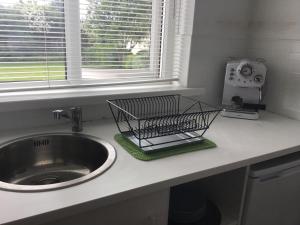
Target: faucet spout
[[76, 117], [59, 113]]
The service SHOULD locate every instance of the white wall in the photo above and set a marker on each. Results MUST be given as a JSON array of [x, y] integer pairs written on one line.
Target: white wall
[[20, 114], [267, 29], [222, 29], [275, 31], [220, 32]]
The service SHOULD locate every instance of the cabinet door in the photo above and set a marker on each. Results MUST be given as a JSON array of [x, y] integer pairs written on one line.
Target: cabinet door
[[274, 201], [150, 209]]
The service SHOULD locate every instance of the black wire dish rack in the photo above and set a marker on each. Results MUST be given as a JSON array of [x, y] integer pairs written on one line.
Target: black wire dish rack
[[158, 122]]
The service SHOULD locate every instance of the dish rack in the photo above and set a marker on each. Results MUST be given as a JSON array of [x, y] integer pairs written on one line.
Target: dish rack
[[157, 122]]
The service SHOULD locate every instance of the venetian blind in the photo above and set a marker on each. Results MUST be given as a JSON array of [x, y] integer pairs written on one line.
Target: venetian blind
[[64, 43], [121, 38], [32, 40]]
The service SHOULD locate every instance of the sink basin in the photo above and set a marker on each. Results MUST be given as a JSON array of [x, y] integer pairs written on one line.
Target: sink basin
[[52, 161]]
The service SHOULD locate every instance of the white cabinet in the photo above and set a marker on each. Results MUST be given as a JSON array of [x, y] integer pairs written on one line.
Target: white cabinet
[[273, 196], [151, 209], [229, 191], [225, 190]]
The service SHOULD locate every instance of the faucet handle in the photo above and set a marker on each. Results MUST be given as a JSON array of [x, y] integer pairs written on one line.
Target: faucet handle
[[76, 109], [58, 113], [76, 115]]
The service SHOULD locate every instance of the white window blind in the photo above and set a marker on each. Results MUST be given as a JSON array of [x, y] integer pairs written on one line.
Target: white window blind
[[62, 43], [121, 38], [184, 19], [32, 40]]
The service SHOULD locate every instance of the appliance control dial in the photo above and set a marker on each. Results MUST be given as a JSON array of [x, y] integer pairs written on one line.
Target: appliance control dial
[[246, 70], [258, 78], [245, 73]]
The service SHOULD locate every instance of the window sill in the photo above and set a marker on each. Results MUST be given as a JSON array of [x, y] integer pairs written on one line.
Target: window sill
[[26, 100]]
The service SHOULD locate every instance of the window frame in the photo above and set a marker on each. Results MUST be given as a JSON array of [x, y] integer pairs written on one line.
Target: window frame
[[73, 54], [73, 40]]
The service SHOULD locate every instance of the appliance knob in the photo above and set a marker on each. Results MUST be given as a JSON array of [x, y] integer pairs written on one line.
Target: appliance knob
[[258, 78], [246, 70]]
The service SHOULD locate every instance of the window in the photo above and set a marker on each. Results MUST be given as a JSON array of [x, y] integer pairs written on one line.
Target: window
[[49, 43], [116, 38], [32, 40]]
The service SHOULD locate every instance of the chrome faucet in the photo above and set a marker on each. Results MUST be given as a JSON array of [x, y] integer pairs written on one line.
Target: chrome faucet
[[76, 117]]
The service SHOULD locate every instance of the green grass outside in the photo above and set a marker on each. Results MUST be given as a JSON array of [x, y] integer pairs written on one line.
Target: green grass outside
[[12, 72]]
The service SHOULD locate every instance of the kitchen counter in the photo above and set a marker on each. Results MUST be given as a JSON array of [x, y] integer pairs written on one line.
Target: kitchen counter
[[240, 143]]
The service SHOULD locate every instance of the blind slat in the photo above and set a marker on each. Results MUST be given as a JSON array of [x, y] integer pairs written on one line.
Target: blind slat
[[118, 37], [32, 40], [128, 4], [30, 72]]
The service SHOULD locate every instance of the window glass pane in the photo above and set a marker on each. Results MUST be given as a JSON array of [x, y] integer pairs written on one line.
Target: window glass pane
[[117, 38], [32, 40]]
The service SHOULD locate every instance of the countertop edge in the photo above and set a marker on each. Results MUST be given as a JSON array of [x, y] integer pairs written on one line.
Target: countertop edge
[[148, 189]]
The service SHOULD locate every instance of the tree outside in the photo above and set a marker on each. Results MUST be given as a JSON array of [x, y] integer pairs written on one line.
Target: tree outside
[[111, 30], [115, 35], [32, 40]]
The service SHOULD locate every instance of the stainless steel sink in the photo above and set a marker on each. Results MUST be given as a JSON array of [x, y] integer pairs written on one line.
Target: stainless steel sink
[[52, 161]]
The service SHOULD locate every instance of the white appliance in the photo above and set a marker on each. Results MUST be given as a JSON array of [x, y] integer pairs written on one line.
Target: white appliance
[[273, 193], [242, 94]]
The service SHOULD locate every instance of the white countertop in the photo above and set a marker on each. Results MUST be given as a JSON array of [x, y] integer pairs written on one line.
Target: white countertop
[[240, 143]]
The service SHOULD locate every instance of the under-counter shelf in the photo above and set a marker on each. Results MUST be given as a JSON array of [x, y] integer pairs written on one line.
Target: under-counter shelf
[[226, 192]]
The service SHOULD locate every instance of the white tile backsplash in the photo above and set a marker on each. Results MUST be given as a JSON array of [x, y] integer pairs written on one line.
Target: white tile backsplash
[[294, 59], [275, 36], [275, 19], [222, 19], [267, 29], [220, 32]]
